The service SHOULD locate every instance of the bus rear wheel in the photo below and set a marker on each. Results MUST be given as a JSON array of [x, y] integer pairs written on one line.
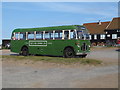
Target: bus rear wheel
[[24, 51], [69, 53]]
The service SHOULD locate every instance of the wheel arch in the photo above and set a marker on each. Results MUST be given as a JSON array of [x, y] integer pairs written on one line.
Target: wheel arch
[[69, 47], [64, 52], [23, 47]]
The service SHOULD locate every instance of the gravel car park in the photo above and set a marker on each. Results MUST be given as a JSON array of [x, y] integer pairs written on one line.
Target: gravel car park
[[31, 74]]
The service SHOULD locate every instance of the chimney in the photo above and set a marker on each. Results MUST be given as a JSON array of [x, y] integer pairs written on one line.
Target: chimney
[[99, 22]]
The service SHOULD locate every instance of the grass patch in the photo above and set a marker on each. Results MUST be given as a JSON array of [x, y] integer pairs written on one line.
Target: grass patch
[[58, 60]]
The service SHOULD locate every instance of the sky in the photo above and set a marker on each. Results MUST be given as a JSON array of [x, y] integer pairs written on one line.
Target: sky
[[44, 14]]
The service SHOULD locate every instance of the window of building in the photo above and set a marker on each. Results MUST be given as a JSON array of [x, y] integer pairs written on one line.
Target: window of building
[[30, 35], [90, 37], [114, 36], [95, 36], [118, 30], [102, 36], [108, 35]]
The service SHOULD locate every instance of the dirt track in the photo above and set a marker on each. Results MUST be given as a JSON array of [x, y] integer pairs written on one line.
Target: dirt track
[[17, 74]]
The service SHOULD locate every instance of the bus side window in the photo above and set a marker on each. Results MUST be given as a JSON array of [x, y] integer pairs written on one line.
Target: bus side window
[[47, 35], [13, 36], [22, 36], [66, 34], [51, 35], [58, 35], [16, 36], [39, 35], [72, 34], [30, 35]]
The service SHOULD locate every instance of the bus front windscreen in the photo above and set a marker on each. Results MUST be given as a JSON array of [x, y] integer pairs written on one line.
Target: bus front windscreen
[[82, 35]]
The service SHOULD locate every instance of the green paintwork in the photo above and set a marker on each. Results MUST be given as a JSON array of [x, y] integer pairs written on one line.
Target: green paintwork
[[49, 47], [53, 47], [47, 28]]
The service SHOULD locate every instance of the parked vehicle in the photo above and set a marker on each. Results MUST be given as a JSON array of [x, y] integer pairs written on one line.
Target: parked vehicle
[[0, 47], [7, 46], [118, 42], [67, 41]]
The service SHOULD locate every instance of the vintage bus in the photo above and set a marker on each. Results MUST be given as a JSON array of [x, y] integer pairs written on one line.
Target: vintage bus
[[68, 41]]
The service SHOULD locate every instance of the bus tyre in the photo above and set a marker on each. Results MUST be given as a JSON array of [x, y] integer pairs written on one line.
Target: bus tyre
[[25, 51], [69, 53]]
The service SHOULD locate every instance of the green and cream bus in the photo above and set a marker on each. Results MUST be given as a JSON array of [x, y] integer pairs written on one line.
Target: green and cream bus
[[68, 41]]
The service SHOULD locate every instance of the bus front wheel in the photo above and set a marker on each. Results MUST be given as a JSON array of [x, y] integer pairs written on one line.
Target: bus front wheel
[[69, 53], [24, 51]]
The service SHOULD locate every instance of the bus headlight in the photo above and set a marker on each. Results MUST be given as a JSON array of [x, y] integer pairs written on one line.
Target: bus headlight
[[89, 46], [78, 45]]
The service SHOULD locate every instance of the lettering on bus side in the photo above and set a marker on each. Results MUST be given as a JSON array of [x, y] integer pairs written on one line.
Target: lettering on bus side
[[38, 43]]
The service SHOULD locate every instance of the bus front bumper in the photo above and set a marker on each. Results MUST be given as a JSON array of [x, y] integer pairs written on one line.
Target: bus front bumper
[[81, 53]]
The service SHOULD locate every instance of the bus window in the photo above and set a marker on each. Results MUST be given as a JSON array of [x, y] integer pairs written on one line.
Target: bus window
[[80, 35], [22, 36], [72, 34], [58, 35], [16, 36], [66, 34], [39, 35], [87, 36], [51, 35], [30, 35], [47, 35]]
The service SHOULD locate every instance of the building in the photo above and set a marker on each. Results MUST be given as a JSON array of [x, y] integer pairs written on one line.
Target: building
[[103, 33], [113, 31], [6, 43], [97, 34]]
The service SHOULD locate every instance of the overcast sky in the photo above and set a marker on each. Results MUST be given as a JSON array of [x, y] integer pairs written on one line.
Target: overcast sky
[[39, 14]]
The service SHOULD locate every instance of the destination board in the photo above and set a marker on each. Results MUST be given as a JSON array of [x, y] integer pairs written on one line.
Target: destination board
[[38, 43]]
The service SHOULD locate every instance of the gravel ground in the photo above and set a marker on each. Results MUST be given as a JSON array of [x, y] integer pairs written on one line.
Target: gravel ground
[[17, 74]]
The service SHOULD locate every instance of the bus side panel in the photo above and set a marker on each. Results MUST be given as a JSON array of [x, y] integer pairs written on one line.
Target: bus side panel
[[52, 47], [48, 47], [59, 46], [42, 47], [16, 45]]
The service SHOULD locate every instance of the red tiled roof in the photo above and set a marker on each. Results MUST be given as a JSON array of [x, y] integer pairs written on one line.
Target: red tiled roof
[[114, 24], [96, 28]]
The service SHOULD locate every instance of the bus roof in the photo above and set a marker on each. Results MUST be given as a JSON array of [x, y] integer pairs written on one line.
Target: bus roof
[[48, 28]]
